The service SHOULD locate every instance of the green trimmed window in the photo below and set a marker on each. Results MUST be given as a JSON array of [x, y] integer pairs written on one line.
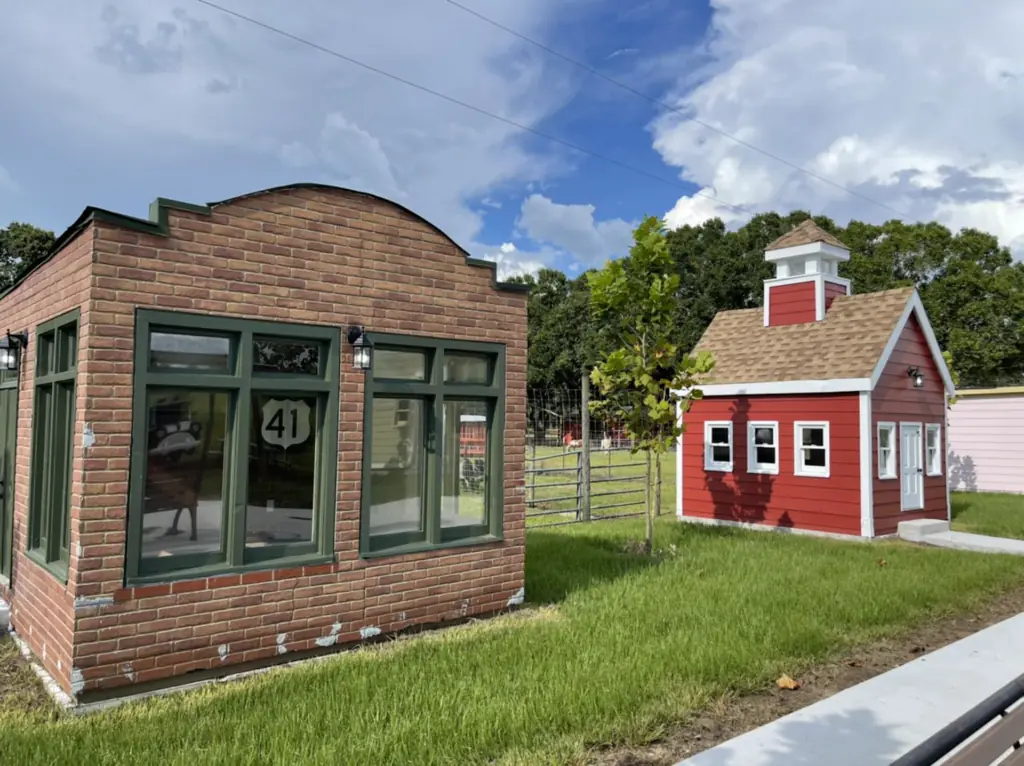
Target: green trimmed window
[[234, 445], [432, 451], [53, 429]]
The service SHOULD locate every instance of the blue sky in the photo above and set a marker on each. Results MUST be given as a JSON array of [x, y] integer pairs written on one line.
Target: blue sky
[[118, 103]]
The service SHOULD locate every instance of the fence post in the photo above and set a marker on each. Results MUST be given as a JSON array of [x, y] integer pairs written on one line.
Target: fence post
[[584, 486], [532, 477]]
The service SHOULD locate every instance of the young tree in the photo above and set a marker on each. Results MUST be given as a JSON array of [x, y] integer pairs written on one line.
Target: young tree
[[647, 376]]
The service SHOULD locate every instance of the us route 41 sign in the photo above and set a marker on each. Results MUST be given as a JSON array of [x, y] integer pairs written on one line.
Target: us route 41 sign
[[285, 422]]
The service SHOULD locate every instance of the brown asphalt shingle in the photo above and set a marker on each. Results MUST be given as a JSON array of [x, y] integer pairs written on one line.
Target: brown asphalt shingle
[[846, 344], [805, 234]]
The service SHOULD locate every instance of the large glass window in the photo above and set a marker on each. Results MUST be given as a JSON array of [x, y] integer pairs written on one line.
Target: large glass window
[[53, 428], [235, 441], [433, 444]]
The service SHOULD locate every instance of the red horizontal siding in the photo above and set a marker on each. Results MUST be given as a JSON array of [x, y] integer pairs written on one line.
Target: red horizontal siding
[[896, 400], [782, 500], [791, 304], [832, 291]]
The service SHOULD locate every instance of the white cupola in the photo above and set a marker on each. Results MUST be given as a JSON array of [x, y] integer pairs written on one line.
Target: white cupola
[[806, 275]]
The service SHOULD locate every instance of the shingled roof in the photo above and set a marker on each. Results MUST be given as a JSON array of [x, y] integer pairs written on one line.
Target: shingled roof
[[847, 344], [806, 233]]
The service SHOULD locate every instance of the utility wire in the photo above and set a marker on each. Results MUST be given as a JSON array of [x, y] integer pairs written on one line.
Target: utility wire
[[471, 107], [669, 107]]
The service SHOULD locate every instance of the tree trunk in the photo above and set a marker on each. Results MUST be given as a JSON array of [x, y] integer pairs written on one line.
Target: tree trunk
[[657, 484], [649, 543]]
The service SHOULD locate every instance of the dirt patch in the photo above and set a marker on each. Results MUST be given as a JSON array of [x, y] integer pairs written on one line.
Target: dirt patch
[[733, 716], [20, 690]]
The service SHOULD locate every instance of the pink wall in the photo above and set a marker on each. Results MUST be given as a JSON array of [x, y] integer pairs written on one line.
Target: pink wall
[[986, 443]]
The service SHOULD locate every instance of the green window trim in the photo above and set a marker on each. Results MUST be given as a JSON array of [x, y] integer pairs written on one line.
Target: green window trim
[[434, 392], [238, 389], [53, 428]]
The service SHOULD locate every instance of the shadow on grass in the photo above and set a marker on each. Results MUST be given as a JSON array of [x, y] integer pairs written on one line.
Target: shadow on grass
[[959, 505], [559, 563]]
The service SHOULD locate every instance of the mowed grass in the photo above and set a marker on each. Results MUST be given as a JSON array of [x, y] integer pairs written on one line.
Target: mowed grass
[[988, 513], [612, 648], [617, 484]]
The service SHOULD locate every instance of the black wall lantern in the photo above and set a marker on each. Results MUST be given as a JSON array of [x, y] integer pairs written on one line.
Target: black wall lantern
[[916, 376], [362, 349], [10, 354]]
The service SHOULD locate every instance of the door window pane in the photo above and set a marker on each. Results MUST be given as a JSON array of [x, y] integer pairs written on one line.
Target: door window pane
[[472, 369], [178, 352], [465, 460], [282, 469], [399, 365], [397, 466], [287, 356], [184, 486]]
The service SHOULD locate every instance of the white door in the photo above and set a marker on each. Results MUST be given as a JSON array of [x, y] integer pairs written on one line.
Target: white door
[[911, 467]]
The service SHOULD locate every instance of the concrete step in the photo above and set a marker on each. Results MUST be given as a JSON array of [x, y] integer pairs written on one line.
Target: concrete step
[[915, 531]]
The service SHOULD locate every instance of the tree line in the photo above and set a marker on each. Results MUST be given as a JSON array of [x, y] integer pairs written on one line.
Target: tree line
[[969, 284]]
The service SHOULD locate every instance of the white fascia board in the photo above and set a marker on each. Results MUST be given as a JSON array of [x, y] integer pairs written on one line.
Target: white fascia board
[[915, 307], [815, 248], [836, 386]]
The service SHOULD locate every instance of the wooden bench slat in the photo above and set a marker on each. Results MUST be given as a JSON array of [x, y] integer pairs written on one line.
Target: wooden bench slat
[[993, 742]]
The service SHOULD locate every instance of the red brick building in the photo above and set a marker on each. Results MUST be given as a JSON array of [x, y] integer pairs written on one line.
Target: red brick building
[[825, 411], [197, 476]]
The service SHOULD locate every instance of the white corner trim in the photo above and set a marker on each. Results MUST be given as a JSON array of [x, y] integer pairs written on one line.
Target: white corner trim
[[836, 386], [812, 249], [914, 306], [867, 499], [811, 473], [752, 464], [767, 302], [945, 457], [819, 297], [679, 463]]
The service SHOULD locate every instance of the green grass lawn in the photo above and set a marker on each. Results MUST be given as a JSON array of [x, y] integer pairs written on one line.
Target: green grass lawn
[[988, 513], [612, 648]]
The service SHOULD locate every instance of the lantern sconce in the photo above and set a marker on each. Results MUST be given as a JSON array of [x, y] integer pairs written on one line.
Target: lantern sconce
[[362, 349], [11, 354], [916, 376]]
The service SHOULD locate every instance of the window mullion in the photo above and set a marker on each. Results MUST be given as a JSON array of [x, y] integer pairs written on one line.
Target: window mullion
[[434, 467], [242, 422]]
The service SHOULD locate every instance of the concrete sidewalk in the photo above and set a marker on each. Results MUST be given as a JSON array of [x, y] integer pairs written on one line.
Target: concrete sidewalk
[[938, 533], [877, 721]]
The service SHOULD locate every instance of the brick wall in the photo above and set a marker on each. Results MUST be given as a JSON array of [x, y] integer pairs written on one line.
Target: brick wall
[[42, 606], [325, 257]]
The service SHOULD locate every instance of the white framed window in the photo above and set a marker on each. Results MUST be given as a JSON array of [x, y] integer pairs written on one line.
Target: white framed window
[[886, 441], [718, 445], [933, 449], [763, 447], [812, 449]]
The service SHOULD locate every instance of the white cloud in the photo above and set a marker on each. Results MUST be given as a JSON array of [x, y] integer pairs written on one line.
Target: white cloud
[[512, 263], [198, 105], [860, 92], [572, 228]]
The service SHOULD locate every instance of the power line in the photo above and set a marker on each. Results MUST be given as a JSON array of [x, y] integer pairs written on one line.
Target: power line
[[471, 107], [669, 107]]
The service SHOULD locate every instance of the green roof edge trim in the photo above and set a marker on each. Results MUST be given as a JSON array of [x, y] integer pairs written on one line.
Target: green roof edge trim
[[156, 225]]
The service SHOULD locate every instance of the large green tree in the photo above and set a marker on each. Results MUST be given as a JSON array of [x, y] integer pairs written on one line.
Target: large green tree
[[22, 246]]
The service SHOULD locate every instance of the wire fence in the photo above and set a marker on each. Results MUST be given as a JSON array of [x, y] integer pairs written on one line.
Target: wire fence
[[579, 467]]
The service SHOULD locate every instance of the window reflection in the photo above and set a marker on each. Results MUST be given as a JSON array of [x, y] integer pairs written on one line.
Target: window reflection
[[286, 356], [282, 469], [177, 352], [464, 494], [184, 486], [396, 466]]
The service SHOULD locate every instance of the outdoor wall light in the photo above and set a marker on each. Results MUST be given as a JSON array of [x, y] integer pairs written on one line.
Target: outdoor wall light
[[915, 374], [10, 354], [362, 349]]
